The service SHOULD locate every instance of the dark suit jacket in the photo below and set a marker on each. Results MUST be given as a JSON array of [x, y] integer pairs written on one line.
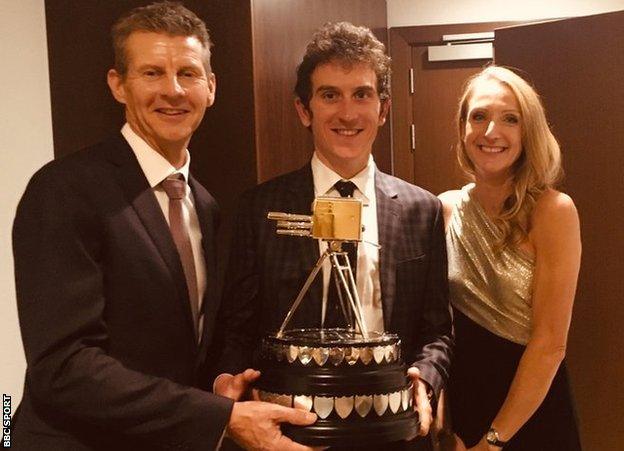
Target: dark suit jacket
[[104, 312], [266, 271]]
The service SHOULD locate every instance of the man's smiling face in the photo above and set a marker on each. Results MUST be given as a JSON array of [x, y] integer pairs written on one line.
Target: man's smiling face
[[166, 89], [345, 114]]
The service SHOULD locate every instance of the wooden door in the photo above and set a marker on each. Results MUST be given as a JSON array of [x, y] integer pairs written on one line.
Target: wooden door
[[577, 65], [427, 101]]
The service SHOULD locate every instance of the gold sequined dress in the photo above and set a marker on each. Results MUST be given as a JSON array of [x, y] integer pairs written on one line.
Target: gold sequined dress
[[491, 292]]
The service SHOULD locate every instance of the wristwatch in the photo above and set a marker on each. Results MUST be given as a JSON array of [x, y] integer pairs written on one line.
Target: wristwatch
[[492, 438]]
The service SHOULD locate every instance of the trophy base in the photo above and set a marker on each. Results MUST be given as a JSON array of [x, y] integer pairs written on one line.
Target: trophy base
[[357, 386], [362, 432]]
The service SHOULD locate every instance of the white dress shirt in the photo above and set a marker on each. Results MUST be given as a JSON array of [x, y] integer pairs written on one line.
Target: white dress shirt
[[156, 169], [367, 276]]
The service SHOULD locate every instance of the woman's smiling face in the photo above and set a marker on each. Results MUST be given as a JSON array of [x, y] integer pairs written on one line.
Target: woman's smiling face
[[493, 130]]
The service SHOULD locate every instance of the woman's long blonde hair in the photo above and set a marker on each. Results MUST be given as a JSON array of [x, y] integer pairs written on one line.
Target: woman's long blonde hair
[[539, 165]]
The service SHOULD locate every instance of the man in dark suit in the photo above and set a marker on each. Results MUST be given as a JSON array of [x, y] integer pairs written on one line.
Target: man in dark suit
[[115, 269], [343, 98]]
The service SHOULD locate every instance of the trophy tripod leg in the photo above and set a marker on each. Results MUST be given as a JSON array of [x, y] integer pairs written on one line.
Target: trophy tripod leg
[[302, 293], [350, 290], [347, 313]]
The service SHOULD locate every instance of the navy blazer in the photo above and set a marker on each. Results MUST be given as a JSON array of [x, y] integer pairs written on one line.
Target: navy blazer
[[104, 312], [266, 271]]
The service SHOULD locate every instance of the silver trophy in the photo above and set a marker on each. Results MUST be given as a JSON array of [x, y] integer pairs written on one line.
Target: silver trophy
[[354, 379]]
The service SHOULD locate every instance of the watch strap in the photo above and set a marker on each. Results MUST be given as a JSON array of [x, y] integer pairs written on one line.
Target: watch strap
[[492, 438]]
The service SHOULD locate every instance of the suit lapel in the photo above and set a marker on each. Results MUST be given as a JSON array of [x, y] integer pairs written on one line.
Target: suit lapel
[[140, 195], [206, 209], [388, 223]]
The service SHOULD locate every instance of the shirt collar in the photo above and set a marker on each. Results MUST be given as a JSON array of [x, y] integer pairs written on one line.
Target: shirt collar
[[325, 178], [155, 167]]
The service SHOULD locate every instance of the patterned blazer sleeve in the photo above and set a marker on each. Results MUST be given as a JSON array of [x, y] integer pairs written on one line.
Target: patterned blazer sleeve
[[435, 337], [413, 275]]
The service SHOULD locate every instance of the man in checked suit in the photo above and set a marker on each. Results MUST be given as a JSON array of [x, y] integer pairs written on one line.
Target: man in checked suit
[[343, 98], [115, 270]]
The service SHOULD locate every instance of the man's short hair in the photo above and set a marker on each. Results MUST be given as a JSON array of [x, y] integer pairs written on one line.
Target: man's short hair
[[343, 42], [165, 17]]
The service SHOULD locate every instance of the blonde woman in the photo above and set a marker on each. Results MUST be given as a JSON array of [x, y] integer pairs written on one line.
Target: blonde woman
[[514, 252]]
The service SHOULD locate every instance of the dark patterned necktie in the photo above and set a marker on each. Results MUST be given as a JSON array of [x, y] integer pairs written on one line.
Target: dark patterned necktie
[[345, 188], [175, 187], [334, 316]]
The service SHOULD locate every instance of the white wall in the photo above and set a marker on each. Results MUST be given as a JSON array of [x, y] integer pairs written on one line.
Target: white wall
[[403, 13], [25, 145]]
